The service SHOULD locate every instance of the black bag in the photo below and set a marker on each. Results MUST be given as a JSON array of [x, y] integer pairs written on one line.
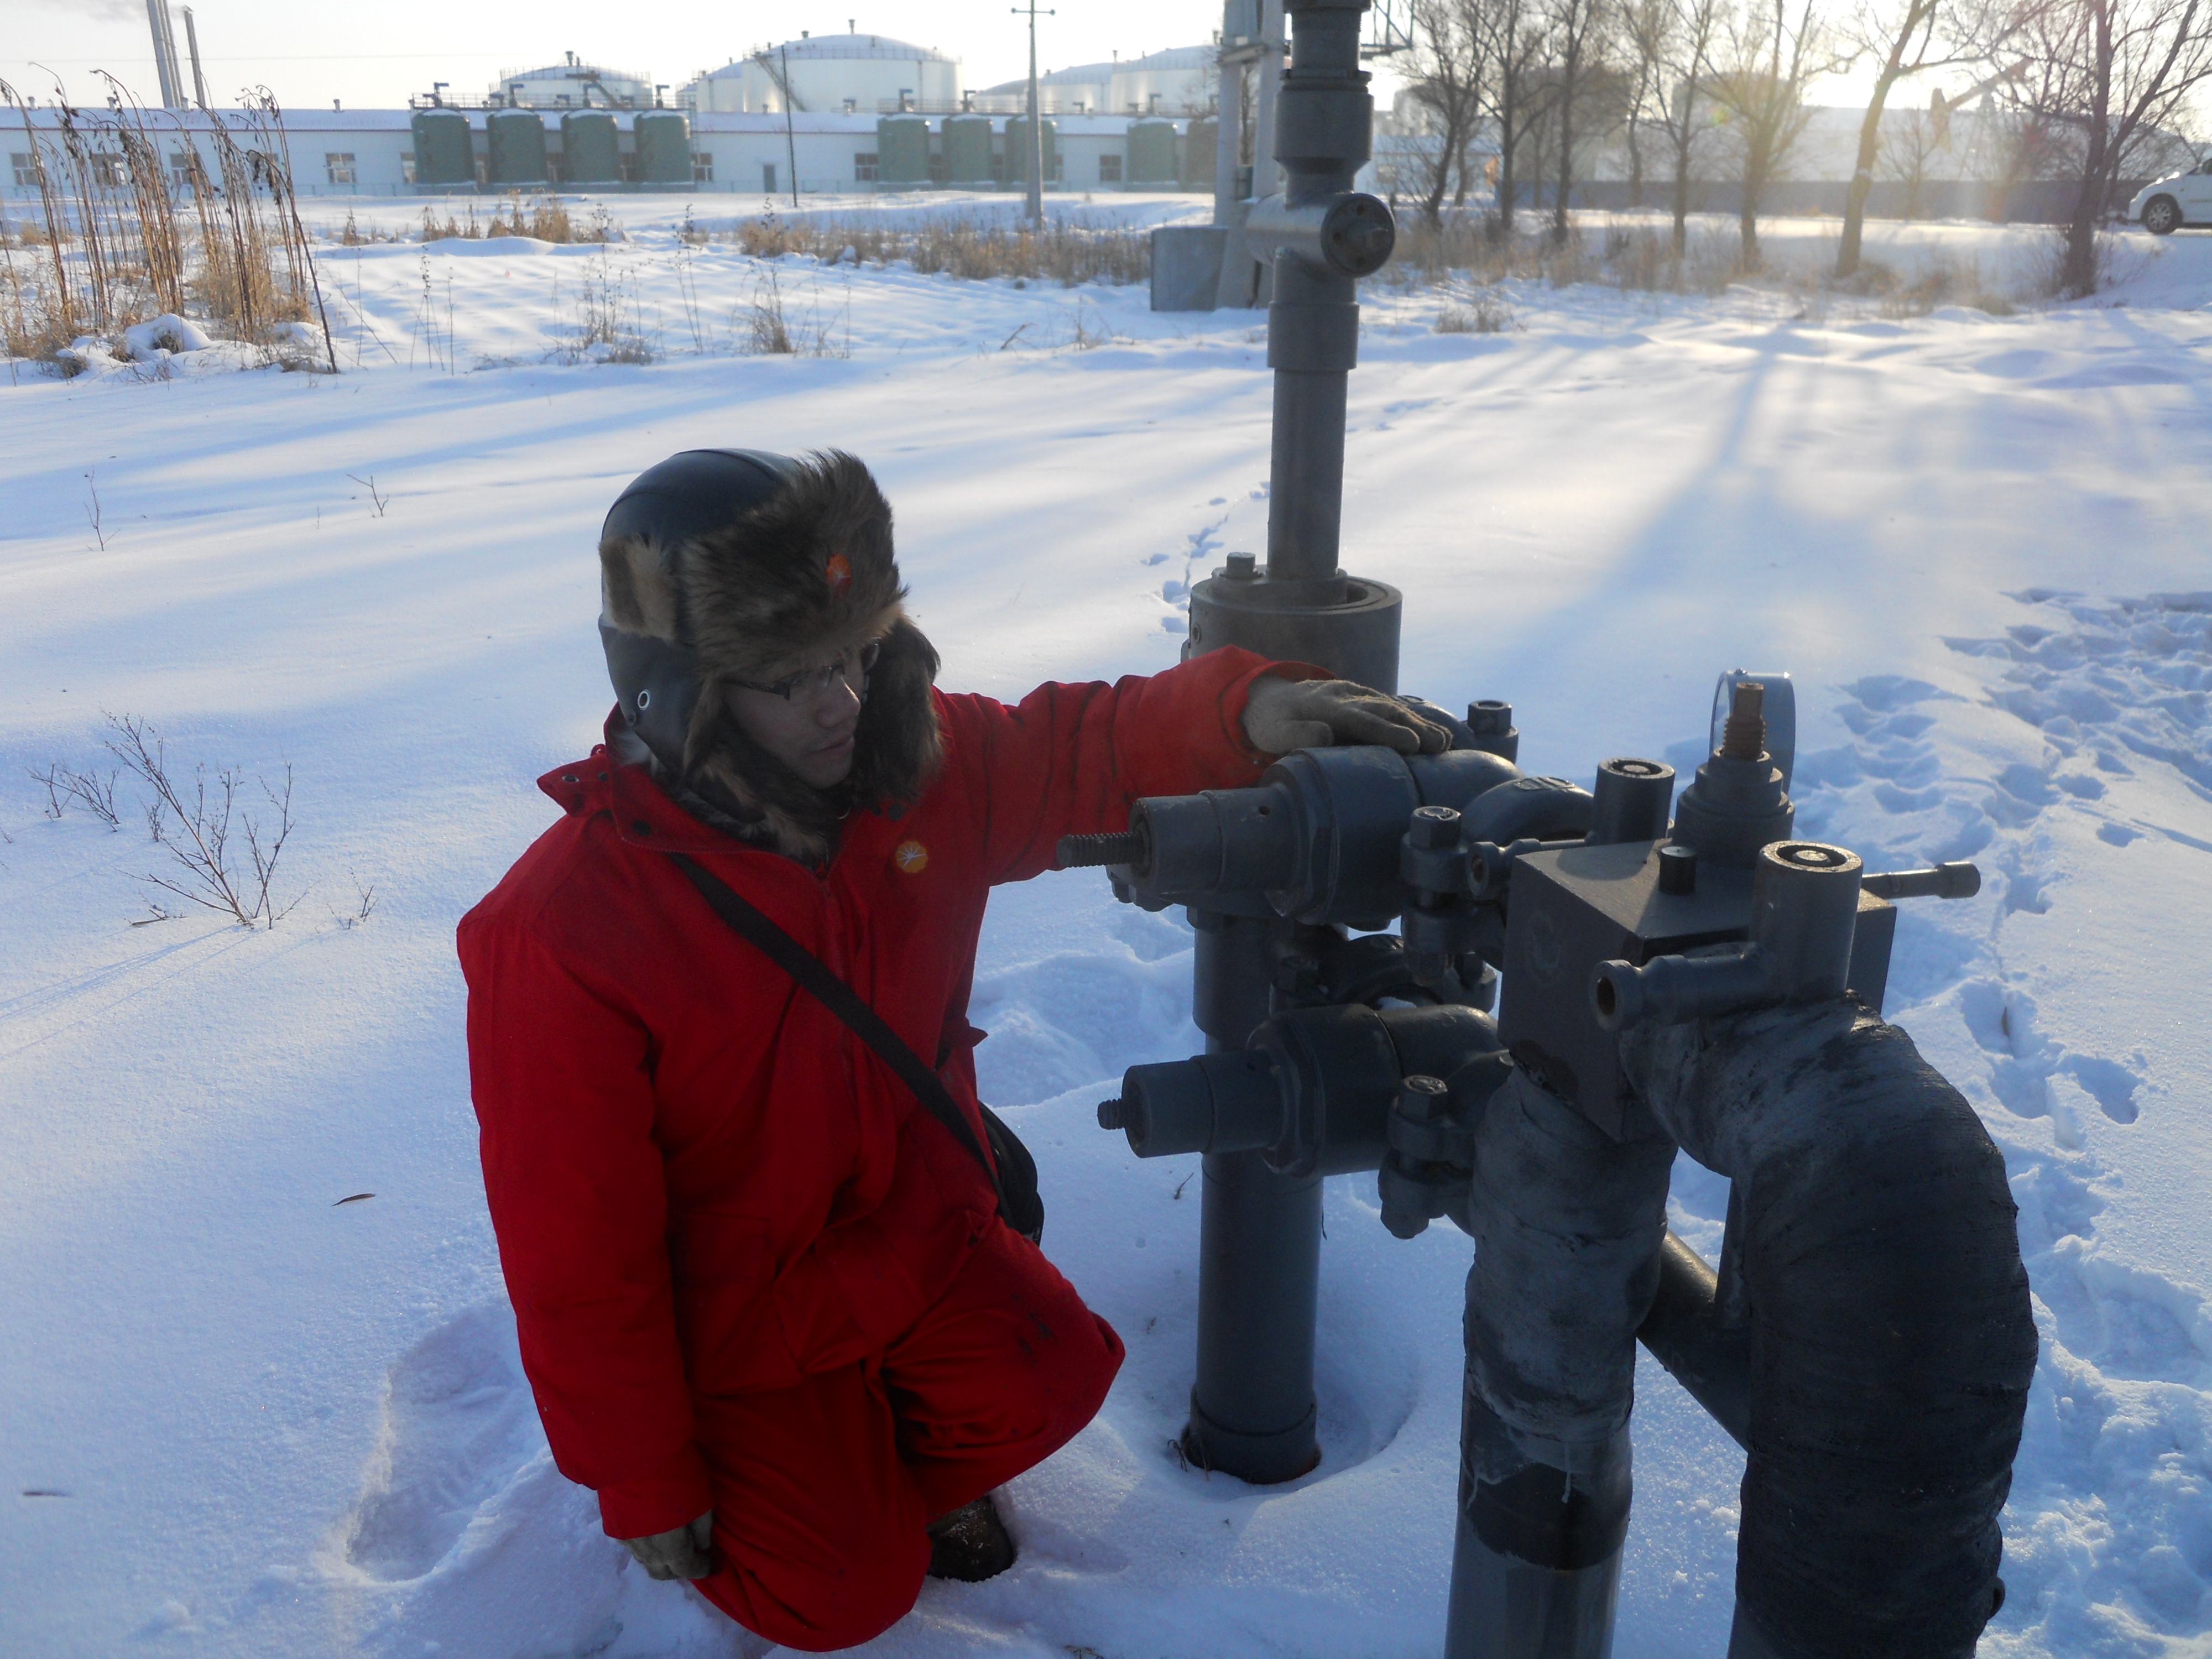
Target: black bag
[[1014, 1172]]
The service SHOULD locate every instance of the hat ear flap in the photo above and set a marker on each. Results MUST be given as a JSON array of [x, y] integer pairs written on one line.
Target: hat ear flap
[[638, 589], [901, 742]]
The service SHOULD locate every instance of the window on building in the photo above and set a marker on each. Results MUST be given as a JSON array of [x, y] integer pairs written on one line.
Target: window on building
[[768, 178], [864, 165], [407, 166], [108, 170], [338, 164], [702, 166], [181, 165], [27, 168], [1109, 169]]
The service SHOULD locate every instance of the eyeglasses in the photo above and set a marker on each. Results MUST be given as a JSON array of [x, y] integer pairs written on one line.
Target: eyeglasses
[[808, 683]]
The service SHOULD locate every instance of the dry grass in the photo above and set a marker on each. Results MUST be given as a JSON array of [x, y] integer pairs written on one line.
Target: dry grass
[[1058, 252], [1947, 282], [610, 324], [546, 218], [1627, 257], [770, 327], [1489, 315], [118, 240]]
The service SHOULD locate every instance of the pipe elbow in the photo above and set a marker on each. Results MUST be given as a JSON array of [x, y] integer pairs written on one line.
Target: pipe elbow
[[1893, 1341]]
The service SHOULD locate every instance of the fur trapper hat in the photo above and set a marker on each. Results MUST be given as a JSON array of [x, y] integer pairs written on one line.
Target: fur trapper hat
[[725, 565]]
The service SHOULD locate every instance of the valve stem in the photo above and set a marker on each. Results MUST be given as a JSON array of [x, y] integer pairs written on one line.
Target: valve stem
[[1114, 1114], [1088, 851], [1744, 735]]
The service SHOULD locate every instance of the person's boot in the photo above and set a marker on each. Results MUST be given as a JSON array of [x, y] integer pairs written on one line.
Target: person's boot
[[969, 1544]]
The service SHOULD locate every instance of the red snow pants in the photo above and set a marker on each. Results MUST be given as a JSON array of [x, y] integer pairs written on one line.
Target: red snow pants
[[821, 1492]]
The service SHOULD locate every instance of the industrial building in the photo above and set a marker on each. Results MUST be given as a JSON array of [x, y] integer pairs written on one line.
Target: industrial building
[[1181, 81], [832, 74], [443, 150], [571, 85], [823, 114]]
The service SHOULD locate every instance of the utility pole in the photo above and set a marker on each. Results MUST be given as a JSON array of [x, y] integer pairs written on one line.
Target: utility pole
[[1037, 116], [790, 139]]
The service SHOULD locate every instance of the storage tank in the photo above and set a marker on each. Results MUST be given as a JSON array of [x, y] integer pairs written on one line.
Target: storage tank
[[903, 150], [968, 151], [1151, 153], [664, 148], [1019, 149], [1198, 140], [591, 149], [514, 146], [443, 152]]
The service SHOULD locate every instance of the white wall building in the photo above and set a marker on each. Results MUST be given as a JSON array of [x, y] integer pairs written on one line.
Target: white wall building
[[830, 74], [371, 153]]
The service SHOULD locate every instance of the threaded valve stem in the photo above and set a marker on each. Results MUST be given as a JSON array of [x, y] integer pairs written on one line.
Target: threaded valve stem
[[1114, 1114], [1744, 735], [1088, 851]]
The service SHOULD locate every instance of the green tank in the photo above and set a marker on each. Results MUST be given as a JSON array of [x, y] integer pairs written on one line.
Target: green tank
[[903, 150], [444, 153], [663, 138], [514, 146], [591, 149], [968, 151], [1151, 153], [1198, 141], [1019, 149]]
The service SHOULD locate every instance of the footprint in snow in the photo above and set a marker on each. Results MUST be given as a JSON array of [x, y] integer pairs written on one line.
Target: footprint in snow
[[2108, 1534]]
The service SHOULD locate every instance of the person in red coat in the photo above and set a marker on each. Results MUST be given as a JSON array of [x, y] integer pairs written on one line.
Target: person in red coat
[[767, 1307]]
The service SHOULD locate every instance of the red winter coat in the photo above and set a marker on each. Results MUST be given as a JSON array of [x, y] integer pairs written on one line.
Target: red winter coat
[[700, 1179]]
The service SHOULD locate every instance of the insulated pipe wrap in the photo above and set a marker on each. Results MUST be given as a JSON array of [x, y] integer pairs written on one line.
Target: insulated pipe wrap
[[1568, 1224], [1892, 1340]]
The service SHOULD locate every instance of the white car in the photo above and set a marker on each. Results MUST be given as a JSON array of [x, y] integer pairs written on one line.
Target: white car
[[2185, 199]]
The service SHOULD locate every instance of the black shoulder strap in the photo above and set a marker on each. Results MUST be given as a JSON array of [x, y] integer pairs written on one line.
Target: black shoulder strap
[[840, 999]]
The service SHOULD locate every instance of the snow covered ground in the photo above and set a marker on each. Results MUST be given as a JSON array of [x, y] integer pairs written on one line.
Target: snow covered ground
[[245, 1417]]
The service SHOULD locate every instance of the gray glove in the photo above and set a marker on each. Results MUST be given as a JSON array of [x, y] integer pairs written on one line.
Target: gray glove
[[1280, 715], [679, 1553]]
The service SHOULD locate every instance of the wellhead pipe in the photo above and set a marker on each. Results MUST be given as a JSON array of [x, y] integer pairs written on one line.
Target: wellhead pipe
[[1252, 1402]]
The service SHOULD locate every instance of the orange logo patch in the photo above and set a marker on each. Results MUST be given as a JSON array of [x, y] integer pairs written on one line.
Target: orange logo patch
[[911, 857], [839, 574]]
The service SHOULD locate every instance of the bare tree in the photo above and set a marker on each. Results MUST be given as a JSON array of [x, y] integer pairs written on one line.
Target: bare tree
[[1445, 83], [1907, 151], [1907, 37], [1646, 34], [2122, 71], [1772, 55], [2026, 146], [1576, 32], [1682, 45], [1517, 92]]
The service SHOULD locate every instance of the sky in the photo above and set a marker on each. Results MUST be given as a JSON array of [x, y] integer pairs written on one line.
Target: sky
[[374, 59], [374, 56]]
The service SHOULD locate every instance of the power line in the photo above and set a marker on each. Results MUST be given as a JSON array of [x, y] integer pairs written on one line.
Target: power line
[[304, 58]]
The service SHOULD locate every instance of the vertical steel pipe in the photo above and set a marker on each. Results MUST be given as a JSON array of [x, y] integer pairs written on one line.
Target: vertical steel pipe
[[1252, 1401]]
